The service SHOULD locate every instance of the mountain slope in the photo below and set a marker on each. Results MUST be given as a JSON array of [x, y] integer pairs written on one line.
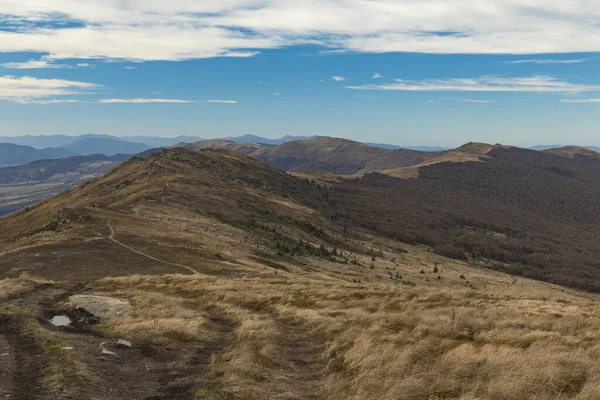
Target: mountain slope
[[521, 211], [12, 154], [339, 156]]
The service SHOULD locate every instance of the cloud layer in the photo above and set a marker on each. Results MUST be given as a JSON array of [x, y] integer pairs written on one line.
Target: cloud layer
[[143, 101], [28, 89], [537, 84], [143, 30]]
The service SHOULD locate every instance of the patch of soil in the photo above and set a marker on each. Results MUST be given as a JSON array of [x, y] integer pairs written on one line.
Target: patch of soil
[[181, 380], [24, 371]]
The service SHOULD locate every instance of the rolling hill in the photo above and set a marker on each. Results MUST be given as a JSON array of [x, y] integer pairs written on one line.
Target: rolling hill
[[339, 156], [245, 282]]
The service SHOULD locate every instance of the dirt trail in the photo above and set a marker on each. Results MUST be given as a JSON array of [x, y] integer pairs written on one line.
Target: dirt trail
[[303, 368], [21, 369], [112, 238], [181, 381]]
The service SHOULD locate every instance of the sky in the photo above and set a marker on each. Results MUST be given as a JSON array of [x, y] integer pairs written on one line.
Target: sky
[[405, 72]]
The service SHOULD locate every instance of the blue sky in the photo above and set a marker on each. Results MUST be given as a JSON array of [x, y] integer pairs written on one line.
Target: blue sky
[[405, 72]]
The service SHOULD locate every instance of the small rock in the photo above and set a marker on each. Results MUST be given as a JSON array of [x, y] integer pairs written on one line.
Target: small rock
[[108, 353], [124, 343], [5, 354], [68, 348]]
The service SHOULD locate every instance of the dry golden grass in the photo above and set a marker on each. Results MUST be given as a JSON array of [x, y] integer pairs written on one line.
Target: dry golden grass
[[23, 284], [528, 341]]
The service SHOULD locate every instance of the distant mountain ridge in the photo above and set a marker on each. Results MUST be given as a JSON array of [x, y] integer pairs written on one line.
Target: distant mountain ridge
[[557, 146], [338, 156], [13, 154], [106, 146]]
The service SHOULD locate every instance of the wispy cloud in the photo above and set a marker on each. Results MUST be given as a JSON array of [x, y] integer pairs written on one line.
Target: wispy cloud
[[548, 61], [34, 64], [476, 101], [484, 84], [580, 100], [143, 101], [221, 101], [54, 101], [130, 67], [27, 89], [277, 94], [338, 78], [377, 75], [43, 63]]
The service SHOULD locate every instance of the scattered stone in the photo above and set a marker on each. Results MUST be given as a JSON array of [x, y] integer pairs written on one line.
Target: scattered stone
[[100, 306], [60, 321], [108, 352], [68, 348], [124, 343], [5, 354]]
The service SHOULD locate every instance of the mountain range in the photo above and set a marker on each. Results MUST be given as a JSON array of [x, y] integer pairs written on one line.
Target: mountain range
[[59, 146]]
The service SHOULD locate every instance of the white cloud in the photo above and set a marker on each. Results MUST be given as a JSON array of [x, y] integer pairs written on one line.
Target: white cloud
[[221, 101], [180, 29], [277, 94], [535, 61], [484, 84], [55, 101], [43, 63], [476, 101], [143, 101], [377, 75], [130, 67], [577, 101], [338, 78], [27, 89], [34, 64]]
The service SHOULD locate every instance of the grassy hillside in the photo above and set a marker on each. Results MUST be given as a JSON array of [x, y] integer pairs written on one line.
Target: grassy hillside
[[242, 285]]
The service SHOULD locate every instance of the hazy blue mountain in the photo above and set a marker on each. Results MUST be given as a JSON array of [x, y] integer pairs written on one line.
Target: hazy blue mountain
[[13, 154], [418, 148], [105, 145], [556, 146], [44, 141], [264, 140], [154, 141]]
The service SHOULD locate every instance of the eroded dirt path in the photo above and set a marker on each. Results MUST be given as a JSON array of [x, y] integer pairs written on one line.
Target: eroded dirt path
[[303, 368], [20, 364], [188, 377], [112, 238]]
